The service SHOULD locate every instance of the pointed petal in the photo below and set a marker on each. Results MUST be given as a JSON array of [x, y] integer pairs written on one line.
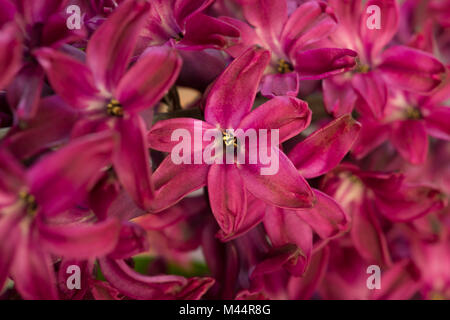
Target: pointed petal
[[436, 122], [227, 196], [133, 240], [376, 39], [269, 16], [70, 78], [325, 148], [159, 136], [285, 188], [289, 115], [149, 79], [286, 227], [411, 69], [327, 218], [9, 237], [25, 91], [132, 160], [10, 55], [137, 286], [174, 181], [309, 23], [184, 9], [80, 240], [219, 33], [372, 94], [315, 64], [278, 84], [368, 236], [62, 178], [231, 97], [32, 271], [411, 140], [111, 46], [372, 135], [338, 96]]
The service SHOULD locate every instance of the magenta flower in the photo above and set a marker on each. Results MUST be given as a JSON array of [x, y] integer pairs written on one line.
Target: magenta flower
[[109, 97], [295, 42], [182, 22], [410, 120], [228, 106], [31, 203], [38, 26], [378, 67]]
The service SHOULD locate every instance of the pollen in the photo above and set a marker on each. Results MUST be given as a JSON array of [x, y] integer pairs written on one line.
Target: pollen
[[229, 139], [284, 66], [360, 67], [29, 202], [413, 113], [114, 108]]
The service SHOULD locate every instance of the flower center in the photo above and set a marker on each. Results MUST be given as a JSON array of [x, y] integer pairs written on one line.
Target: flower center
[[413, 113], [284, 66], [229, 139], [114, 108], [29, 201], [360, 67]]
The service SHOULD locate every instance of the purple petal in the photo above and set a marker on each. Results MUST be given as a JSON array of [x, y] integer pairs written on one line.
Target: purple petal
[[231, 97], [278, 84], [325, 148], [80, 240], [10, 55], [315, 64], [149, 79], [289, 115], [285, 188], [111, 46], [62, 178], [227, 196], [327, 218], [372, 93], [436, 122], [132, 160], [411, 69], [411, 140]]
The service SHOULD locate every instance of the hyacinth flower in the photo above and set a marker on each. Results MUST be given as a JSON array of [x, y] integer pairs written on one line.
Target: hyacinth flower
[[42, 25], [295, 43], [366, 86], [109, 97], [346, 277], [409, 121], [182, 23], [35, 219], [370, 196], [227, 106], [321, 152]]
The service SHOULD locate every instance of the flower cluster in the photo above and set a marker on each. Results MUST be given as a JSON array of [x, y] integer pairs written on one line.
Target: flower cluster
[[224, 149]]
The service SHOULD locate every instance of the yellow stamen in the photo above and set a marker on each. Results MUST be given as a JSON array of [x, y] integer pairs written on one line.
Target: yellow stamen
[[29, 201], [284, 66], [114, 108], [229, 139]]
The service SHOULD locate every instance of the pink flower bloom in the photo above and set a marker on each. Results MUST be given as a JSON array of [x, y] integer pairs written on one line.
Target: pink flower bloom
[[378, 67], [31, 202], [227, 106], [182, 22], [110, 97], [295, 42]]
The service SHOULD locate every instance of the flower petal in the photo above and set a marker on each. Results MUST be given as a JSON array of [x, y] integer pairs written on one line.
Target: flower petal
[[411, 140], [315, 64], [411, 69], [231, 97], [111, 46], [227, 196], [372, 93], [149, 79], [285, 188], [62, 178], [327, 218], [325, 148], [70, 78], [11, 53], [278, 84], [436, 122], [132, 160]]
